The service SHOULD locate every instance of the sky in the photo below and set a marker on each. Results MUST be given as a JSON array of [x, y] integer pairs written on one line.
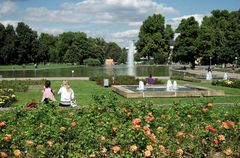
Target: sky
[[114, 20]]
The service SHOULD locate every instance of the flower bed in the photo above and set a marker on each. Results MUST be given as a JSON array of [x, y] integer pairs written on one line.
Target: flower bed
[[20, 85], [7, 97], [114, 128], [121, 80], [228, 83]]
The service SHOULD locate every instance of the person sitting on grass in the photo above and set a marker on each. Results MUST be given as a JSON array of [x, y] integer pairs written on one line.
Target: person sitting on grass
[[66, 93], [48, 94]]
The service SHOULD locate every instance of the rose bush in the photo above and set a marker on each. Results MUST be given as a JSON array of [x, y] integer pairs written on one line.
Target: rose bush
[[227, 83], [7, 97], [19, 85], [109, 127]]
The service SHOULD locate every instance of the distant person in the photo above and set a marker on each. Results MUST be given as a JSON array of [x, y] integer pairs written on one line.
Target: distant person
[[209, 69], [66, 93], [48, 94], [233, 68], [150, 80]]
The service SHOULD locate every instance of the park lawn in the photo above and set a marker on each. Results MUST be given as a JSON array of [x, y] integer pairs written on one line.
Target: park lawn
[[84, 90], [31, 66]]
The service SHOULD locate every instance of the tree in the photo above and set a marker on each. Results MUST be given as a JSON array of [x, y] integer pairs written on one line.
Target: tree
[[185, 48], [26, 44], [2, 38], [63, 43], [113, 51], [152, 42], [46, 43], [9, 49], [73, 55], [205, 41]]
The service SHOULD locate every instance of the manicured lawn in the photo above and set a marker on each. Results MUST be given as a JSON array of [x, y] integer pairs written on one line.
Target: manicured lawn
[[84, 90]]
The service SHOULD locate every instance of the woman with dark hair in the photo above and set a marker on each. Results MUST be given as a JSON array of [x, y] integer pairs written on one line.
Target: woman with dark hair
[[48, 94], [150, 80]]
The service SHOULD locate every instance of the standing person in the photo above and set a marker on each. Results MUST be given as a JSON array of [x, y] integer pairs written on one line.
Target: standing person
[[233, 68], [48, 94], [66, 93], [150, 80]]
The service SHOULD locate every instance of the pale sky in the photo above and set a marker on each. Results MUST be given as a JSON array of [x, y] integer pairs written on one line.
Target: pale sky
[[114, 20]]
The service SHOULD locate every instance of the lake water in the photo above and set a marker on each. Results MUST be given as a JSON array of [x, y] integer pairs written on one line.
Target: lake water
[[87, 71]]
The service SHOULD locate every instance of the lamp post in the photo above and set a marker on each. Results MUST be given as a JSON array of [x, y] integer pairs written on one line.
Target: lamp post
[[72, 73], [210, 61], [236, 58]]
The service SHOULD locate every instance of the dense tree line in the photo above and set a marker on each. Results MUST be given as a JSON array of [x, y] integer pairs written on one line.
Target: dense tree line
[[23, 45], [215, 41]]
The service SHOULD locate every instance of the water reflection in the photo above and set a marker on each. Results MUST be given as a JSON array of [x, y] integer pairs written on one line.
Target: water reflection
[[86, 71]]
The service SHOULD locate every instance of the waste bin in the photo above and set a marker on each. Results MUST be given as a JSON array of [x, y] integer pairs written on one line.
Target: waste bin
[[106, 82]]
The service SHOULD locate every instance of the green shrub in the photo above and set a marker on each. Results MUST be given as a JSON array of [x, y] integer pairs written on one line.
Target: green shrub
[[20, 85], [121, 80], [7, 97], [227, 83], [92, 62]]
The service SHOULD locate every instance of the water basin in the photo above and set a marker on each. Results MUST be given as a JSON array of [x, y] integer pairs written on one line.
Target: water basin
[[130, 91]]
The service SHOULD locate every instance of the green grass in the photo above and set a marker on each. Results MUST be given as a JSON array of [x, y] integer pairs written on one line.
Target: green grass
[[84, 90], [31, 66]]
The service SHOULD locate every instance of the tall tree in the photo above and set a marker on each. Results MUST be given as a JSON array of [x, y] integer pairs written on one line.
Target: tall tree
[[151, 42], [185, 49], [63, 43], [2, 38], [27, 44], [46, 43], [113, 51], [205, 41], [9, 48]]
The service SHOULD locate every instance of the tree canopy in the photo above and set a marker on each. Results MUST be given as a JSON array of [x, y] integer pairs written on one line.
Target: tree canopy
[[23, 46], [216, 41], [153, 39]]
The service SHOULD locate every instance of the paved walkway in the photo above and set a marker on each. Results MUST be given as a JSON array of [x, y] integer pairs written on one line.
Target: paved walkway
[[47, 78], [217, 74]]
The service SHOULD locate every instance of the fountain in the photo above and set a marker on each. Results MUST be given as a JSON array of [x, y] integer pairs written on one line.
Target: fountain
[[141, 86], [209, 75], [225, 77], [159, 91], [169, 86], [175, 87], [130, 59]]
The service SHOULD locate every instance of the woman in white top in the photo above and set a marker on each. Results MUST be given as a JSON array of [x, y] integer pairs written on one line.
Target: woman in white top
[[66, 93]]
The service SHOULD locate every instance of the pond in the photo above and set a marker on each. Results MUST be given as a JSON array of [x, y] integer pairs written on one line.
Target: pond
[[87, 71]]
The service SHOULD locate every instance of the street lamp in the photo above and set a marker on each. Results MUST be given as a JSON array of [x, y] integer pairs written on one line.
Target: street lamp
[[236, 58], [72, 73], [210, 61]]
